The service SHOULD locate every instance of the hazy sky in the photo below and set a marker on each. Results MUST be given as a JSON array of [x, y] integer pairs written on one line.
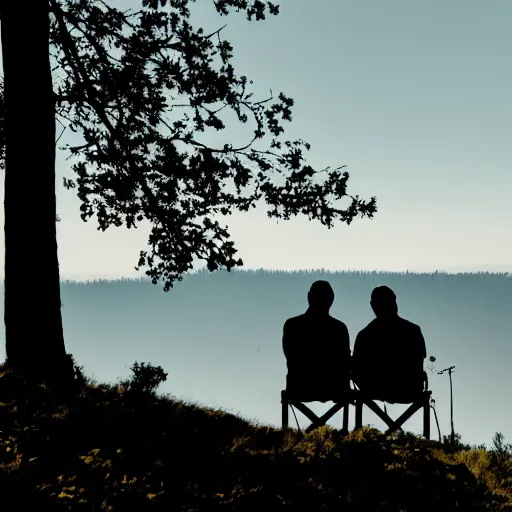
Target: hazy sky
[[414, 97]]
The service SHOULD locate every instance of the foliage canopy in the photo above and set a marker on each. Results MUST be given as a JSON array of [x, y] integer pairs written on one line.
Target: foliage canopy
[[142, 88]]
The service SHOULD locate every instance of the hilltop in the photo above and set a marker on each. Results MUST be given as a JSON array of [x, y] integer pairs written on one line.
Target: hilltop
[[122, 447]]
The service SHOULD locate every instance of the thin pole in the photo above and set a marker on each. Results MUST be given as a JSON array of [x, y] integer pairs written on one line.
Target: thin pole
[[450, 371], [451, 406]]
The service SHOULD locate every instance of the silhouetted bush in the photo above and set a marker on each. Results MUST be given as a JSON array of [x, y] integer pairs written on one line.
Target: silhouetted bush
[[145, 379], [80, 378]]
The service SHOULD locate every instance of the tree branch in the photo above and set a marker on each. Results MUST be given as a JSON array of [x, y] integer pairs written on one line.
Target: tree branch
[[83, 78]]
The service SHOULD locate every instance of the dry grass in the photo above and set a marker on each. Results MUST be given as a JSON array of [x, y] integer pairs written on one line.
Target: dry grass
[[107, 449]]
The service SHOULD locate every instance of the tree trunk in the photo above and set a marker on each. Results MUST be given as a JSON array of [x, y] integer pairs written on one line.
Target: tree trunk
[[33, 322]]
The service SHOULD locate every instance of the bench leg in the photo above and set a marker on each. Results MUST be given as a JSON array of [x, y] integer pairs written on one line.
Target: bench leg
[[284, 410], [426, 419], [346, 410], [359, 413], [398, 423], [322, 420]]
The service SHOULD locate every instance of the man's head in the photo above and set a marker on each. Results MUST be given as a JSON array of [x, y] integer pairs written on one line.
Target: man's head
[[383, 302], [320, 296]]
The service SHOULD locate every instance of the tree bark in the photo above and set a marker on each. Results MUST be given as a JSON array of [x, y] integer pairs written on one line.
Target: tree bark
[[33, 322]]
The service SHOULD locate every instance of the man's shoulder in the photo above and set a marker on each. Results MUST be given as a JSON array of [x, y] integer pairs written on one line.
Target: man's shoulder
[[409, 325], [299, 320], [369, 328], [294, 320], [338, 324]]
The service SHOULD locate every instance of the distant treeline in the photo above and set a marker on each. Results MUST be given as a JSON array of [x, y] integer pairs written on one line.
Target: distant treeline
[[314, 274], [427, 297], [476, 290]]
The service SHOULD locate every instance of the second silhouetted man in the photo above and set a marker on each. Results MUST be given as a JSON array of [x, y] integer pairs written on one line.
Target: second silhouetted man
[[387, 363]]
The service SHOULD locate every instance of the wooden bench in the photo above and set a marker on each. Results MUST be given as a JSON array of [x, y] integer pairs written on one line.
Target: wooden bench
[[423, 401], [288, 400]]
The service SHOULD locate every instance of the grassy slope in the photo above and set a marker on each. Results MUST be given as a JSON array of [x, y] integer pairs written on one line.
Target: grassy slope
[[102, 450]]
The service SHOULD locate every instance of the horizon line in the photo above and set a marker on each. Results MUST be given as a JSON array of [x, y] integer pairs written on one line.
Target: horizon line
[[88, 278]]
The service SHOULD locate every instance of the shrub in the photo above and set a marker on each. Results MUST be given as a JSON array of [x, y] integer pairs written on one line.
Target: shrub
[[146, 378], [80, 378]]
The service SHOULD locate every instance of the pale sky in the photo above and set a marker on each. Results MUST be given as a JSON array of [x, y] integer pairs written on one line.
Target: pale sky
[[414, 97]]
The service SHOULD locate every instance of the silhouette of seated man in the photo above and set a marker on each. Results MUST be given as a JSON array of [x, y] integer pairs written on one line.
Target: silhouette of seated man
[[387, 363], [317, 350]]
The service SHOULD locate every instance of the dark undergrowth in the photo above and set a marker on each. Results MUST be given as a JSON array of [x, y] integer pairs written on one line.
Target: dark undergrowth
[[121, 447]]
